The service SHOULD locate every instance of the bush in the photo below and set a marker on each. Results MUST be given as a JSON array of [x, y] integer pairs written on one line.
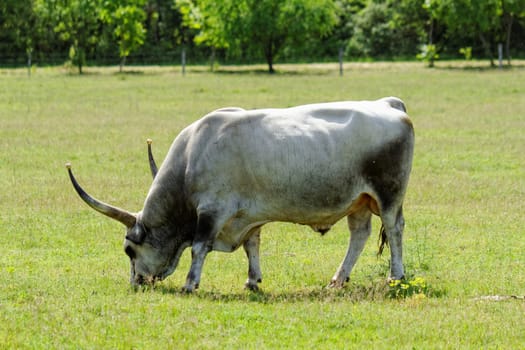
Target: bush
[[428, 54], [466, 52]]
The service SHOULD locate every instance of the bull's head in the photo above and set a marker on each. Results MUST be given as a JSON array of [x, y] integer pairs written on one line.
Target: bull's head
[[151, 258]]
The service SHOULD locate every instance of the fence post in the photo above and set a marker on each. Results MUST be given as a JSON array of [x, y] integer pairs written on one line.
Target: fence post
[[500, 55], [29, 62], [341, 52]]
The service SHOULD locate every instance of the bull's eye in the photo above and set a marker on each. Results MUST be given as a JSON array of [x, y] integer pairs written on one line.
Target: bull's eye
[[130, 252]]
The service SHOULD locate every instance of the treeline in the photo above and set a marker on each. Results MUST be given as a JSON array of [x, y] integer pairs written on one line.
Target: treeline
[[105, 32]]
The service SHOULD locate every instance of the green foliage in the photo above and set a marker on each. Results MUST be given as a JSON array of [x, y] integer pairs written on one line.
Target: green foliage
[[259, 25], [428, 54], [347, 11], [126, 18], [409, 24], [77, 57], [388, 28], [76, 22], [247, 30], [18, 25], [373, 34], [466, 52], [489, 20], [204, 22]]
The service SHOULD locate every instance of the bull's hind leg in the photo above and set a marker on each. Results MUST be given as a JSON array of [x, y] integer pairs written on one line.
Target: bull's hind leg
[[251, 247], [359, 224], [394, 224]]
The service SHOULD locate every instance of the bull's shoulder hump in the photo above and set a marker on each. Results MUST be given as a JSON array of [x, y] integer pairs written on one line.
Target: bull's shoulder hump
[[225, 118]]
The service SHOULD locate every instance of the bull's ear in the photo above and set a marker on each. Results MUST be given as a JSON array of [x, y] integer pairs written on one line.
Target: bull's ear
[[136, 234]]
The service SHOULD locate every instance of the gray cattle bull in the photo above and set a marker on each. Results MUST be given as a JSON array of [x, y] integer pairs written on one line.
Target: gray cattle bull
[[234, 170]]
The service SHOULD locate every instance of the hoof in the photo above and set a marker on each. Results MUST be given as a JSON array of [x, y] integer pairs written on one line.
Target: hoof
[[189, 288], [186, 290], [390, 279], [251, 287], [338, 283], [254, 287], [335, 284]]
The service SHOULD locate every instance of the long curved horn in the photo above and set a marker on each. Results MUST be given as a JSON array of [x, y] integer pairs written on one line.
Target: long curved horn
[[152, 165], [118, 214]]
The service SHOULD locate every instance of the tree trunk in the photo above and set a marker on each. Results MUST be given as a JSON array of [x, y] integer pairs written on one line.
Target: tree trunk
[[212, 59], [269, 60], [122, 63], [268, 52], [431, 42], [270, 67], [79, 52], [509, 21], [486, 47]]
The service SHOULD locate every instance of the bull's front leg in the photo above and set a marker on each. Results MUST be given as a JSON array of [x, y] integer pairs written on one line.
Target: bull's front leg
[[201, 246], [251, 247], [199, 251]]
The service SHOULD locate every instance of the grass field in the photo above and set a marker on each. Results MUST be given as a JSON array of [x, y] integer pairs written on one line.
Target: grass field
[[64, 276]]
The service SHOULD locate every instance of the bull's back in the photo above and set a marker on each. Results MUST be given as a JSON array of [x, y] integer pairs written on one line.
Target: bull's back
[[309, 158]]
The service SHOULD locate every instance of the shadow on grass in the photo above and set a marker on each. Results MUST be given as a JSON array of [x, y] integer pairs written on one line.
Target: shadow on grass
[[97, 72], [131, 72], [277, 73], [351, 293], [479, 68], [260, 70]]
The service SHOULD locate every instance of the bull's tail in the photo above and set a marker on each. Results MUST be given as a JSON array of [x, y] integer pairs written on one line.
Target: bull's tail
[[382, 240]]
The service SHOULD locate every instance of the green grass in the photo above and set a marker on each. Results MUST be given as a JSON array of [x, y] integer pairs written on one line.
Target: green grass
[[65, 277]]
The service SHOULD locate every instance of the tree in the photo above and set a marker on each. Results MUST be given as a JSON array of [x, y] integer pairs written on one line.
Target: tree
[[262, 25], [388, 28], [77, 22], [409, 24], [430, 51], [203, 23], [15, 34], [489, 20], [201, 26], [473, 19], [345, 27], [373, 34], [162, 26], [126, 17], [510, 11]]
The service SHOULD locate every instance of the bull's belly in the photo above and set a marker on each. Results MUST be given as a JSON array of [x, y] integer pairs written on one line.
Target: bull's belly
[[229, 240], [239, 229]]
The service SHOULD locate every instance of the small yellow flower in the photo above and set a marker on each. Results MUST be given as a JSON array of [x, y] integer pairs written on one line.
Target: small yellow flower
[[394, 283]]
